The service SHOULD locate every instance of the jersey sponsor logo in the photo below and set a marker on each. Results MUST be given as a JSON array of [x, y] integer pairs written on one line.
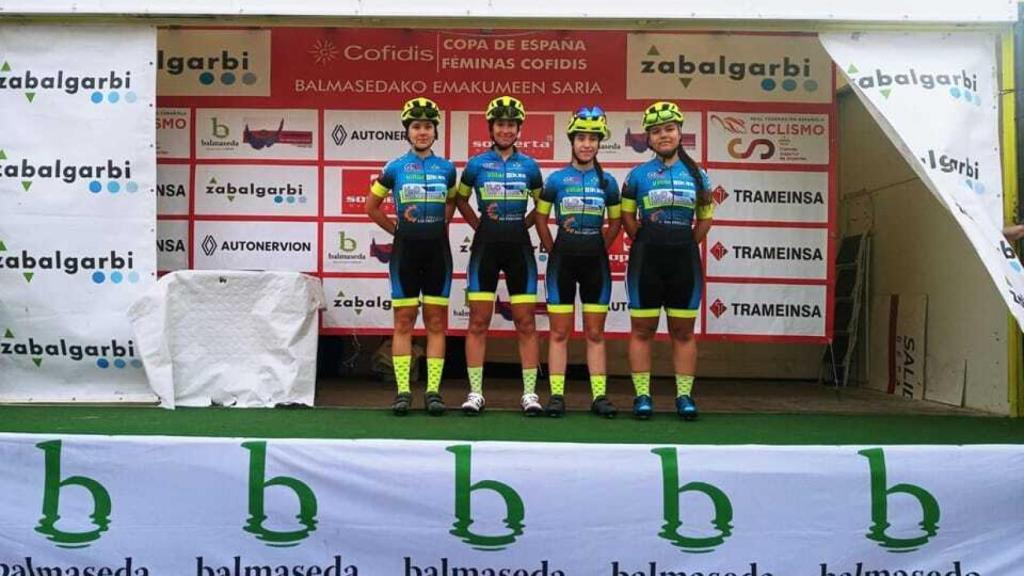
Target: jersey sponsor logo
[[587, 205]]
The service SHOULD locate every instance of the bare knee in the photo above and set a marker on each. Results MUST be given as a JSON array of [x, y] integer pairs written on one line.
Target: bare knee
[[595, 335], [559, 334], [681, 335]]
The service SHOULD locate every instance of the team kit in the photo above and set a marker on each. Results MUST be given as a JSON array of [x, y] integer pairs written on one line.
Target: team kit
[[664, 206]]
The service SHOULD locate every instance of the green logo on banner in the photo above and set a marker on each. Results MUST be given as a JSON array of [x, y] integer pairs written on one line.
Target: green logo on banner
[[673, 520], [257, 490], [52, 485], [464, 488], [880, 507]]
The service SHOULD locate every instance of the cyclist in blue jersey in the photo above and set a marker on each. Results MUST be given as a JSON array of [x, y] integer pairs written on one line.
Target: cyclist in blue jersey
[[580, 193], [504, 181], [673, 196], [423, 186]]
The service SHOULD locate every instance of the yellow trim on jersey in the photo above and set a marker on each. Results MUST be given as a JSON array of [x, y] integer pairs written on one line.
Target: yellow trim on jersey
[[403, 302], [536, 193], [560, 308], [435, 300], [645, 312], [465, 190], [453, 191], [595, 308], [629, 205], [480, 296], [523, 299], [705, 211], [379, 190], [543, 207], [614, 212], [680, 313]]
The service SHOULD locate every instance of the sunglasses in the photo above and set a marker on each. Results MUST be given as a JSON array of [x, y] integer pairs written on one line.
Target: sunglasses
[[592, 113], [428, 112], [507, 112], [655, 116]]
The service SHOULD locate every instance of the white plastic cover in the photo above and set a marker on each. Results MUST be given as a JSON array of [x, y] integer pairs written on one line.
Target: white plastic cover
[[245, 339]]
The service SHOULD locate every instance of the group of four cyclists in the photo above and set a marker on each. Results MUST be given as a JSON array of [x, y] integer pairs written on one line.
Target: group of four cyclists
[[665, 207]]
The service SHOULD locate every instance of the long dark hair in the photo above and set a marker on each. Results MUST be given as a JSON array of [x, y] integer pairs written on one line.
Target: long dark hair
[[600, 173], [703, 194]]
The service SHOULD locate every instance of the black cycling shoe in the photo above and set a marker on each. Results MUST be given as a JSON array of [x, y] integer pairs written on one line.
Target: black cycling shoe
[[602, 406], [433, 403], [402, 403], [556, 406]]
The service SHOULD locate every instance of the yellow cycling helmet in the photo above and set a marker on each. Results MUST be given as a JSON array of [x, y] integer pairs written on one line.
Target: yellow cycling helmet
[[661, 113], [420, 108], [505, 108], [590, 120]]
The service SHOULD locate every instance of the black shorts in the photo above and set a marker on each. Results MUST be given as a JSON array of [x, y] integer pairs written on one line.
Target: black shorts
[[664, 275], [515, 259], [420, 266], [566, 269]]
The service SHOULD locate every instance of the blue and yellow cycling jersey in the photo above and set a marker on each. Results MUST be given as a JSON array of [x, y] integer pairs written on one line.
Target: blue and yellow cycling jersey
[[667, 199], [503, 190], [580, 203], [421, 187]]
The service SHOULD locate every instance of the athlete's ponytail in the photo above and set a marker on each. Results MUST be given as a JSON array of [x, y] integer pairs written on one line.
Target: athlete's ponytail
[[600, 173], [703, 194]]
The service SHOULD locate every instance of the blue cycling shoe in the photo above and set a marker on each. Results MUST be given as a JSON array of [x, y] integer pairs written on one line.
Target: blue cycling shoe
[[686, 408], [642, 407]]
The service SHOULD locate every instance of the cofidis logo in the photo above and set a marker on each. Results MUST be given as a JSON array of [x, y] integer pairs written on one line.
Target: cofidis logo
[[213, 62]]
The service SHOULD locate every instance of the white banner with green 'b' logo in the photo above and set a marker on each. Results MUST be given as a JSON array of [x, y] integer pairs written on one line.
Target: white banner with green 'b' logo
[[77, 209], [936, 96], [91, 506]]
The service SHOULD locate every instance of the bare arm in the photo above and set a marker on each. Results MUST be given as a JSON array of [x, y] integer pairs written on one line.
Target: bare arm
[[541, 220], [373, 203], [700, 230], [462, 203], [612, 231], [630, 224]]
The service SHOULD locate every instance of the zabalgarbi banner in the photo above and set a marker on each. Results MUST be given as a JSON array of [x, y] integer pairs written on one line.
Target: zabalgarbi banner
[[134, 506], [77, 209], [938, 101]]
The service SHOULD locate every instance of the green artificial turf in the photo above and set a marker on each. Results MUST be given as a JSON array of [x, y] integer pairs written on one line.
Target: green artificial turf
[[777, 429]]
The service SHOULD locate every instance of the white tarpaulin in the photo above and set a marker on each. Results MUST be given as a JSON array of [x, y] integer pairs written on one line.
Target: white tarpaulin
[[231, 507], [245, 339], [77, 209], [936, 96]]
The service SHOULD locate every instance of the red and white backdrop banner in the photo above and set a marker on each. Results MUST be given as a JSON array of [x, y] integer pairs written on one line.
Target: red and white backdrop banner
[[268, 141]]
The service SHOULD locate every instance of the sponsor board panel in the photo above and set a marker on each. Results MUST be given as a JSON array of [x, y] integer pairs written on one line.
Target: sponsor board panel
[[256, 190], [171, 245], [751, 68], [770, 196], [173, 136], [768, 138], [287, 246], [791, 253], [213, 62], [359, 303], [172, 189], [356, 247], [70, 357], [256, 134], [362, 135], [765, 309], [68, 265], [345, 191]]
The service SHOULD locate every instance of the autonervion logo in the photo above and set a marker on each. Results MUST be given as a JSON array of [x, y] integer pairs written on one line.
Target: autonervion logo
[[112, 87], [228, 67], [107, 175], [113, 266], [210, 246], [961, 86], [287, 193], [115, 353], [788, 73]]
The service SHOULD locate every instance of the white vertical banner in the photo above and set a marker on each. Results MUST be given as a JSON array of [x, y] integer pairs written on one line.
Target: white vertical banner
[[907, 352], [77, 209], [936, 96]]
